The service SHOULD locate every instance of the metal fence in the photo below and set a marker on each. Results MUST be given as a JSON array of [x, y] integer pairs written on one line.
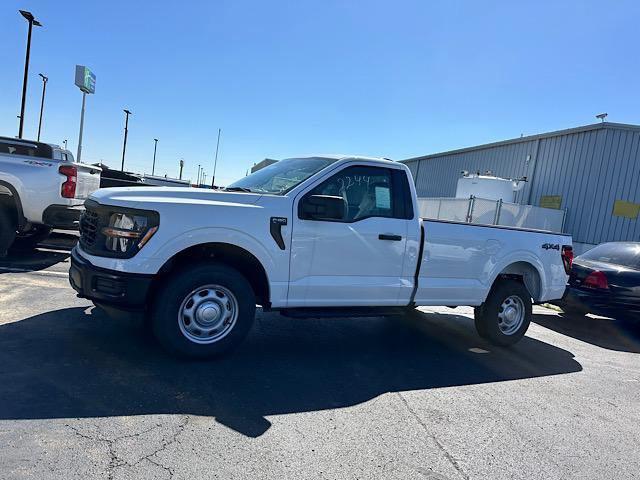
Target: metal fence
[[491, 212]]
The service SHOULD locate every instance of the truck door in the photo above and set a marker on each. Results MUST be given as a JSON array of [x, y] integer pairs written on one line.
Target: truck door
[[356, 260]]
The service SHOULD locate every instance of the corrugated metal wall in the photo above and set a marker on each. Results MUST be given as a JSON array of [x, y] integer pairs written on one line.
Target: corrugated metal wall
[[590, 169]]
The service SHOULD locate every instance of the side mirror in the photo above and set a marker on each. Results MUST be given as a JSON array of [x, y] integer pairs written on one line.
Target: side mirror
[[322, 207]]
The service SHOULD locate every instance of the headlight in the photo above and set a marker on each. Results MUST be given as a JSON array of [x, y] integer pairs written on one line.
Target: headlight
[[127, 231]]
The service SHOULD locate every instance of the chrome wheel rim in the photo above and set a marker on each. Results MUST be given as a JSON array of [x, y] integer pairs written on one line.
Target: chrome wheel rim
[[511, 315], [208, 314]]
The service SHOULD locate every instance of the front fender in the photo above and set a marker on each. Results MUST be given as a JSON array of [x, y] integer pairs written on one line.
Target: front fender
[[164, 251]]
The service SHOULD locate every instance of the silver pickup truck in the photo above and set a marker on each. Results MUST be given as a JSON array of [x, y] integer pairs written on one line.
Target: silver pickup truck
[[41, 187]]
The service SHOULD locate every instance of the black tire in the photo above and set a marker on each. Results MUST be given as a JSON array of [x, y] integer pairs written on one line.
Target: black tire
[[172, 331], [573, 311], [480, 324], [30, 240], [487, 317], [7, 230]]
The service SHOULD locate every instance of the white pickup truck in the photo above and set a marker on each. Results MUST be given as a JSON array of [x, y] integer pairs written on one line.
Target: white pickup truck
[[41, 187], [314, 236]]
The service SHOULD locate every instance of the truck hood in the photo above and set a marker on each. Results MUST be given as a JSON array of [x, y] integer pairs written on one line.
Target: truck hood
[[138, 197]]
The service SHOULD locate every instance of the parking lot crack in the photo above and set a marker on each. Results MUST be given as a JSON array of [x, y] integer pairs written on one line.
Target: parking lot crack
[[115, 461], [166, 442], [450, 458]]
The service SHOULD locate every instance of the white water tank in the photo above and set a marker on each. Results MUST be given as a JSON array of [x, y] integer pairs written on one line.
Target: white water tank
[[489, 187]]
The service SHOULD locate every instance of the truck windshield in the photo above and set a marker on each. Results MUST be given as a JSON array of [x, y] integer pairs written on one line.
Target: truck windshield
[[282, 176]]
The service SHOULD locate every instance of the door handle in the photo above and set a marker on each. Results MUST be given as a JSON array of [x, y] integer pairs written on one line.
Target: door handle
[[384, 236]]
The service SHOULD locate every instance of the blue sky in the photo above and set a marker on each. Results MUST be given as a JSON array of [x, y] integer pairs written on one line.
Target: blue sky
[[393, 79]]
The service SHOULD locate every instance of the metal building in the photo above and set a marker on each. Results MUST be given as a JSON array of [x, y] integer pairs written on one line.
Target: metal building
[[593, 172]]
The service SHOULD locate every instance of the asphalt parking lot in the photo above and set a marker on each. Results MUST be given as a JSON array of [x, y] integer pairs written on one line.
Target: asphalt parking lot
[[86, 396]]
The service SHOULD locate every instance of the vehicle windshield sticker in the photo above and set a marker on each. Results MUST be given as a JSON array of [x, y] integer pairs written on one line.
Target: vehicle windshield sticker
[[383, 197]]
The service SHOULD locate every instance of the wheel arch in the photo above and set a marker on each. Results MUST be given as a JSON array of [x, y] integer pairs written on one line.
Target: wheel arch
[[526, 273], [228, 254], [16, 202]]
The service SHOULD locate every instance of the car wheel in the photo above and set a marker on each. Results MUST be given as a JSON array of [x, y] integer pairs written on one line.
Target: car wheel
[[30, 239], [7, 231], [504, 317], [573, 311], [203, 311]]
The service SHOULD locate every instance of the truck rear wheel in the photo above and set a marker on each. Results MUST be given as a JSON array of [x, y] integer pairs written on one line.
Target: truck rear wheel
[[7, 230], [203, 311], [504, 317], [30, 239]]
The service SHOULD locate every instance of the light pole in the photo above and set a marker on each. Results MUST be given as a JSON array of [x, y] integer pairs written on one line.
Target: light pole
[[155, 147], [45, 79], [181, 166], [126, 131], [32, 21], [65, 143], [198, 176], [215, 162]]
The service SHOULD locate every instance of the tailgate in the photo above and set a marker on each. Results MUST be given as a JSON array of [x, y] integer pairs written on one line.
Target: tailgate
[[88, 180]]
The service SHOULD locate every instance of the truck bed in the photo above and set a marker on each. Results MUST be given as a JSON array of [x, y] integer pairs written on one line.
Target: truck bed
[[460, 261]]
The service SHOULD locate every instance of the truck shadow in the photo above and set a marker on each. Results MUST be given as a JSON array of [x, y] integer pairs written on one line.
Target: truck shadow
[[602, 332], [34, 260], [53, 250], [80, 363]]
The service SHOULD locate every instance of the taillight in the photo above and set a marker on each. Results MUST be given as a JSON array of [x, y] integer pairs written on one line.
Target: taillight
[[597, 280], [68, 189], [567, 258]]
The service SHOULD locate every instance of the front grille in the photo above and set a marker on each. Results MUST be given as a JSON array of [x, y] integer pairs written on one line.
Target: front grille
[[89, 224]]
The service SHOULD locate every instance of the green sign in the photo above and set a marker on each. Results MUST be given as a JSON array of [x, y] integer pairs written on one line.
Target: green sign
[[85, 79]]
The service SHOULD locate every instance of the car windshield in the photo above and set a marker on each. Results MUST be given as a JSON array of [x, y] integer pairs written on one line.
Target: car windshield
[[627, 254], [282, 176]]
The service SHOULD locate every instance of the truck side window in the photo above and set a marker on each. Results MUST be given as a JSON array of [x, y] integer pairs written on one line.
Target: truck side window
[[367, 191]]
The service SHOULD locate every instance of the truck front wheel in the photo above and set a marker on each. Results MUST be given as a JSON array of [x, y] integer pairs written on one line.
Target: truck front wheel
[[203, 311], [504, 317]]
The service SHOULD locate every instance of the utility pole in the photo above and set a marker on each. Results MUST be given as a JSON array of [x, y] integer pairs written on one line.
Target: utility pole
[[44, 91], [215, 162], [155, 147], [181, 166], [32, 21], [126, 131]]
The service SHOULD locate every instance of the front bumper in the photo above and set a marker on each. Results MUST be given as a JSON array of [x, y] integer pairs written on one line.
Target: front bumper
[[62, 216], [128, 291]]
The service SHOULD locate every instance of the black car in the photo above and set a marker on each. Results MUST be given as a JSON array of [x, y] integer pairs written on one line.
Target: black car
[[606, 281]]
